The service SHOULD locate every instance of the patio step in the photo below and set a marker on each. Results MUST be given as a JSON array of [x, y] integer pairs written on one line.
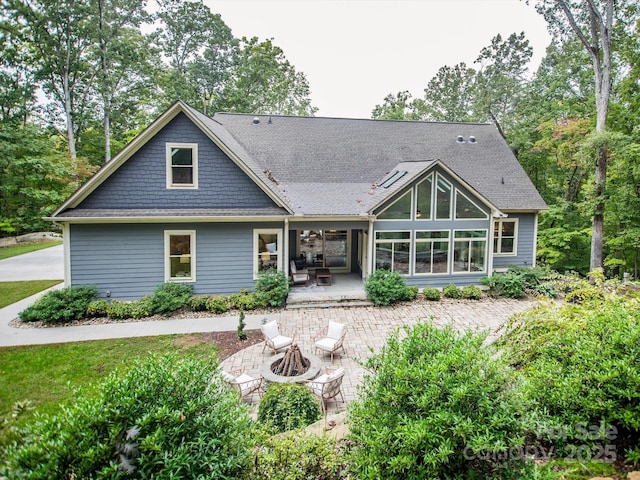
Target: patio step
[[317, 303]]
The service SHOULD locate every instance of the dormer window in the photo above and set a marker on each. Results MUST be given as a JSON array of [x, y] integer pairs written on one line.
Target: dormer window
[[182, 165]]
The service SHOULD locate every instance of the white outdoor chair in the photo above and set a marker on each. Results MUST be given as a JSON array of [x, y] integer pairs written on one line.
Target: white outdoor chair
[[330, 339], [246, 385], [298, 276], [327, 386], [275, 337]]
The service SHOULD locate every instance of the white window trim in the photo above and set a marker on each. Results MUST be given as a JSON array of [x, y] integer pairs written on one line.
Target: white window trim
[[169, 171], [429, 216], [499, 237], [417, 240], [167, 258], [455, 207], [486, 246], [394, 240], [256, 248]]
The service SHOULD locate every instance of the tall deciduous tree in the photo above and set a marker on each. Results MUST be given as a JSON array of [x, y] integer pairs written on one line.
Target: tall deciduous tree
[[61, 33], [592, 22]]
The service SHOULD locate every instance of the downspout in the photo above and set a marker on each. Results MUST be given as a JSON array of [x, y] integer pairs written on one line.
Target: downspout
[[370, 249], [286, 248], [535, 240]]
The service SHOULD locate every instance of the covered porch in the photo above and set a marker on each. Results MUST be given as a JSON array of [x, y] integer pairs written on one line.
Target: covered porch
[[345, 289]]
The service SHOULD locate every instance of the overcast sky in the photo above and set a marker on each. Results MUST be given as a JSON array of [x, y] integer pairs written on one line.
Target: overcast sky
[[355, 52]]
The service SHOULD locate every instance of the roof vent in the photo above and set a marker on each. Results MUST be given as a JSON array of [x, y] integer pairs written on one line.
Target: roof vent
[[472, 139], [460, 139], [256, 120]]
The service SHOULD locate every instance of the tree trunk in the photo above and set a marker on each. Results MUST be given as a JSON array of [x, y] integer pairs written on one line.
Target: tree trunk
[[68, 111], [107, 132]]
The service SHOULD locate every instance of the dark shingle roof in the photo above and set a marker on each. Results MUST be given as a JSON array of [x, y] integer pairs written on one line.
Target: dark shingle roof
[[329, 166]]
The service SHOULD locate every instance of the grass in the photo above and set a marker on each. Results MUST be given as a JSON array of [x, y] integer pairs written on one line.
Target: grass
[[14, 250], [40, 377], [11, 292]]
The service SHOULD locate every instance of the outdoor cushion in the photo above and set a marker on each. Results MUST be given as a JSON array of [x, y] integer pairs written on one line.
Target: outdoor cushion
[[251, 382], [316, 385], [335, 330], [280, 341], [270, 329], [327, 344], [336, 374], [227, 376]]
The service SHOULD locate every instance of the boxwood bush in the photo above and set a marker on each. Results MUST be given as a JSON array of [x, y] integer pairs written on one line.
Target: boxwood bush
[[451, 291], [430, 293], [288, 406], [438, 404], [471, 292], [169, 297], [59, 306], [385, 288], [165, 417], [218, 304], [243, 300]]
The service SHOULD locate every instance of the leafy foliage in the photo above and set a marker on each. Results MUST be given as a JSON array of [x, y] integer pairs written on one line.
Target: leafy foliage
[[412, 293], [471, 292], [98, 308], [518, 281], [451, 291], [198, 303], [242, 335], [581, 363], [298, 457], [121, 310], [59, 306], [272, 288], [169, 297], [384, 287], [436, 399], [288, 406], [165, 414], [243, 300], [431, 293], [218, 304]]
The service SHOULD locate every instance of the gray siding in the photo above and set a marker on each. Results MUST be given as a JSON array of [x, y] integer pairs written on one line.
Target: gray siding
[[141, 181], [526, 242], [128, 260]]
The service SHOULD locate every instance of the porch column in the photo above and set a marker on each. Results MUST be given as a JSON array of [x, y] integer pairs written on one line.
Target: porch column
[[370, 244]]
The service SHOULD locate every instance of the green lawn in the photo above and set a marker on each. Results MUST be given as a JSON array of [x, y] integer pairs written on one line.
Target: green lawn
[[11, 292], [6, 252], [46, 375]]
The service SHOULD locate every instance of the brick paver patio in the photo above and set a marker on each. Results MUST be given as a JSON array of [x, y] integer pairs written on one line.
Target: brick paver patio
[[369, 327]]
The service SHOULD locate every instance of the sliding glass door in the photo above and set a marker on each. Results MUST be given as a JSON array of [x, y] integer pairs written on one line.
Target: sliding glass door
[[324, 248]]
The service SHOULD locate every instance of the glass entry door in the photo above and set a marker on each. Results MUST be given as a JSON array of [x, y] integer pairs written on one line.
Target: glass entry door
[[324, 248]]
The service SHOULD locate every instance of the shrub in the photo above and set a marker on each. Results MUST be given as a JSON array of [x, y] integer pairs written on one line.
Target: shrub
[[431, 293], [243, 300], [198, 303], [272, 288], [385, 288], [411, 293], [451, 291], [165, 417], [169, 297], [242, 335], [218, 304], [288, 406], [298, 457], [517, 281], [97, 308], [121, 310], [471, 292], [438, 404], [58, 306], [582, 367]]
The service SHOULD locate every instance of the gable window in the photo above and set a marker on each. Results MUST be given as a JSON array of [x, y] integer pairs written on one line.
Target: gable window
[[179, 254], [505, 233], [443, 199], [469, 251], [424, 194], [392, 251], [182, 165], [267, 250], [467, 209], [432, 252], [398, 210]]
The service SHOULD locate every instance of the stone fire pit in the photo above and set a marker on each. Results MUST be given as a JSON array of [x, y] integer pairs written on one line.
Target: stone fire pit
[[291, 367]]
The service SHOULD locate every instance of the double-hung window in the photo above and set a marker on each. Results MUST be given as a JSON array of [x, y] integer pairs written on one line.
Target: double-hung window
[[180, 255], [267, 250], [182, 165], [393, 251], [505, 232]]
